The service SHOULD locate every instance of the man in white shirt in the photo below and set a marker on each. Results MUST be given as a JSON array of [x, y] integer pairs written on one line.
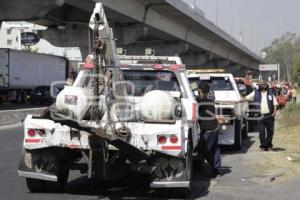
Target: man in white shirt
[[265, 104]]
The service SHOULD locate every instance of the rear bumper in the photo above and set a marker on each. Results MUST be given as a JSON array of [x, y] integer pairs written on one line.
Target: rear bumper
[[144, 136], [36, 175], [175, 184]]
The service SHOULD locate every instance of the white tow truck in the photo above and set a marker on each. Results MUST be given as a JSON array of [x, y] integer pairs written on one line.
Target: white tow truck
[[141, 117], [232, 114]]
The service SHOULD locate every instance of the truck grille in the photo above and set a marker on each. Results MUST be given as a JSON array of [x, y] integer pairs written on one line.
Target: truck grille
[[225, 111]]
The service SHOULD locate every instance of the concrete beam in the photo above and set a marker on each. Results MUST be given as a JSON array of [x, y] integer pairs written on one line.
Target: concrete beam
[[72, 35], [233, 69], [129, 34], [147, 14], [161, 48], [20, 10]]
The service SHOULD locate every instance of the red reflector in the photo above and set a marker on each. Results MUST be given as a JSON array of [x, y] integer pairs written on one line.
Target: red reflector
[[162, 140], [158, 67], [73, 146], [174, 139], [32, 140], [175, 67], [171, 147], [31, 132]]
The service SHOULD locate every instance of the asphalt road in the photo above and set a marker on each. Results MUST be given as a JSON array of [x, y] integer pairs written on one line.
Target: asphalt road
[[239, 182]]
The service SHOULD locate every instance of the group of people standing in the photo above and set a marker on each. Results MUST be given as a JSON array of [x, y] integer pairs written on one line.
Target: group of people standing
[[261, 99]]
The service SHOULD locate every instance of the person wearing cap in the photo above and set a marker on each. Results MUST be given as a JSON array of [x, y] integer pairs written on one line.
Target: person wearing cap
[[248, 82], [209, 125], [265, 104]]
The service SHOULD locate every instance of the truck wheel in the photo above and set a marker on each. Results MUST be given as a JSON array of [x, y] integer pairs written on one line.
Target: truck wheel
[[19, 97], [186, 192], [35, 185], [198, 163], [62, 180], [182, 192], [237, 136], [245, 130]]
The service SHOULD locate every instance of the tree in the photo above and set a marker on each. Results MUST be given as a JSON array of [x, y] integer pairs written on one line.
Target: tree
[[296, 69], [284, 51]]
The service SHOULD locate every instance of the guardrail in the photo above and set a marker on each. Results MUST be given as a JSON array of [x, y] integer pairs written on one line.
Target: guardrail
[[9, 117]]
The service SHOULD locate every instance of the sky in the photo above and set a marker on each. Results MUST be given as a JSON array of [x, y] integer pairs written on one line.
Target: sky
[[258, 21]]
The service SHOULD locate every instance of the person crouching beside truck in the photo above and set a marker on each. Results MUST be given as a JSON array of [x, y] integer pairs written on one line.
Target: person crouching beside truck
[[265, 104], [209, 125]]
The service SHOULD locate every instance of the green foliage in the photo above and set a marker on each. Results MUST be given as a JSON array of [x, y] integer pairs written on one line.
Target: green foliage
[[285, 51], [296, 69], [290, 116]]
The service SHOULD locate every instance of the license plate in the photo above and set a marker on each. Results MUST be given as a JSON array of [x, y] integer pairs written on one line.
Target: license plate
[[204, 77]]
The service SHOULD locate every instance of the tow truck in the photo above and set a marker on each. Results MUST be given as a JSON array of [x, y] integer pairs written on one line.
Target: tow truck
[[231, 113], [117, 117]]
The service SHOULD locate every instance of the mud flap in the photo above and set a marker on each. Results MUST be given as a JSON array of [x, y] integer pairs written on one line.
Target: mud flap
[[170, 172], [37, 166]]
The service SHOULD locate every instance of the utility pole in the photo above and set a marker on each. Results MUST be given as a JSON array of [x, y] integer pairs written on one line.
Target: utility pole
[[231, 18], [217, 12]]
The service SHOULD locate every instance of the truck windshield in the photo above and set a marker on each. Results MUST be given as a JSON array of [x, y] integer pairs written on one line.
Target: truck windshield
[[215, 83], [139, 82]]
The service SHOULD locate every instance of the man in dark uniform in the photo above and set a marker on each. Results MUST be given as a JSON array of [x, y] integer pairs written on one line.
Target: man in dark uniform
[[248, 82], [265, 104], [209, 126]]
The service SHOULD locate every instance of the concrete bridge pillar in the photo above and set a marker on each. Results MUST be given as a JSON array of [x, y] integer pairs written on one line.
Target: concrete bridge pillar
[[70, 35]]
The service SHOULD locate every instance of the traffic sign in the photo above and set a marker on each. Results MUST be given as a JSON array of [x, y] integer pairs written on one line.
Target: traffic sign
[[29, 38]]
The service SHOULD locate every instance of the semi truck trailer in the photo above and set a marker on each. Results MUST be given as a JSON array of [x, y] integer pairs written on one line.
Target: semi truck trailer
[[22, 71]]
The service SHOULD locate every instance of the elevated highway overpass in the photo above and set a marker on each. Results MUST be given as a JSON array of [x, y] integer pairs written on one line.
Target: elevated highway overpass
[[169, 27]]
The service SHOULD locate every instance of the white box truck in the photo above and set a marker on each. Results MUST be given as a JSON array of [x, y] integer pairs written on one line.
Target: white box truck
[[21, 72]]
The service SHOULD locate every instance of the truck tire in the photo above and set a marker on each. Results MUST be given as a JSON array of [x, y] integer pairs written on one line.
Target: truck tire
[[19, 97], [62, 180], [186, 192], [36, 185], [198, 163], [237, 136], [182, 192], [245, 129]]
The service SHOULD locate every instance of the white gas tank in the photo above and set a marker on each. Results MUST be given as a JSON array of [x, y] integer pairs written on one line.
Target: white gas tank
[[74, 99], [157, 105]]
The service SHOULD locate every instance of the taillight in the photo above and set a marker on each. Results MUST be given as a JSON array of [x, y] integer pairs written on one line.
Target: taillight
[[194, 111], [162, 139], [158, 67], [174, 139], [34, 132], [31, 132]]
